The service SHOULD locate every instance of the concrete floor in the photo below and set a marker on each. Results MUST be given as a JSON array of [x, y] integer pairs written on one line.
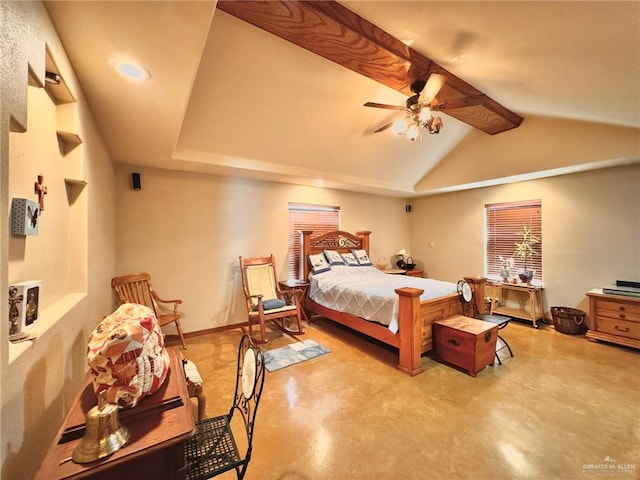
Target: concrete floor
[[561, 408]]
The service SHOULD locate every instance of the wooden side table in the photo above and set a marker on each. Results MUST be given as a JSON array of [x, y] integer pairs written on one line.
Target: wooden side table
[[296, 287], [159, 426], [415, 273], [529, 298]]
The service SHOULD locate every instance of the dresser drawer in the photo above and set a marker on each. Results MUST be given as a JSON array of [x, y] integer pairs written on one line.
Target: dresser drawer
[[618, 310], [623, 328]]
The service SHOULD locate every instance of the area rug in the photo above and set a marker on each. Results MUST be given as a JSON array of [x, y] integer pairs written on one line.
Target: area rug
[[292, 354]]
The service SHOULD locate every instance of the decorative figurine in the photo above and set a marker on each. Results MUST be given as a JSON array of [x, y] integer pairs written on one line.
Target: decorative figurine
[[41, 190], [14, 314]]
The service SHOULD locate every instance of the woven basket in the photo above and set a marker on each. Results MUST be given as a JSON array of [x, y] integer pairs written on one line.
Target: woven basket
[[568, 320]]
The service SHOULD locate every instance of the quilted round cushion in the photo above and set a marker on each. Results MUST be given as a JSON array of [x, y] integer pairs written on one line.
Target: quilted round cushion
[[126, 355]]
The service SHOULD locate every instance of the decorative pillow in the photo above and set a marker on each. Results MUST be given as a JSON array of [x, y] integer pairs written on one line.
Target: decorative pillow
[[333, 257], [271, 304], [318, 263], [350, 259], [363, 258], [126, 355]]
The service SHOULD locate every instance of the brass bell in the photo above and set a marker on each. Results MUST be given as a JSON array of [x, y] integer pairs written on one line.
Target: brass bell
[[103, 434]]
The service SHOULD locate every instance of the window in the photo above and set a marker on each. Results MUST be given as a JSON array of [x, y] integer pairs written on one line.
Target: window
[[319, 218], [504, 222]]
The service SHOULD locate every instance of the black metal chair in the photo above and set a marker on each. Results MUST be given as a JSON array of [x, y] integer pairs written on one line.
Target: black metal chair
[[470, 308], [213, 448]]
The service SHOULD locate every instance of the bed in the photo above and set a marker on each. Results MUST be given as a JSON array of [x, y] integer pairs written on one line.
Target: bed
[[414, 312]]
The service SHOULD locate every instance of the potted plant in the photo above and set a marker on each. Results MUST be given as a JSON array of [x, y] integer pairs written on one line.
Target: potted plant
[[507, 264], [525, 250]]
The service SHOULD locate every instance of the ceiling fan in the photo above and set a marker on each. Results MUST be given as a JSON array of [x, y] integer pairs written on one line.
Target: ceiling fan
[[418, 109]]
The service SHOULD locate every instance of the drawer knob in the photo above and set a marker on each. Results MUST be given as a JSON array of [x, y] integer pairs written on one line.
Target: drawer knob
[[622, 315], [625, 330], [622, 307], [454, 342]]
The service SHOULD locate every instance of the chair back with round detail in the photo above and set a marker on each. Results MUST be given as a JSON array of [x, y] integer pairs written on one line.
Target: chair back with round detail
[[223, 443]]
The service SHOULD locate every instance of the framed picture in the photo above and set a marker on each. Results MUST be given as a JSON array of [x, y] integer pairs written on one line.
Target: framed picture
[[24, 217], [24, 305]]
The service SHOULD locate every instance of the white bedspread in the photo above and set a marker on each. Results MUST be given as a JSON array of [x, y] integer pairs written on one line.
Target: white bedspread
[[368, 293]]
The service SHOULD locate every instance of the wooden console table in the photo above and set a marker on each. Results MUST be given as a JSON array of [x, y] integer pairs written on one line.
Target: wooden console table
[[159, 426], [529, 301]]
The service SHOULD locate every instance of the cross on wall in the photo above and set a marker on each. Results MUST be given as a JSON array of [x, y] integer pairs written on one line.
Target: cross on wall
[[41, 190]]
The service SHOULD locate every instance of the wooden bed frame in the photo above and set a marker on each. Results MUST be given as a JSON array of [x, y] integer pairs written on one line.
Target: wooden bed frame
[[415, 318]]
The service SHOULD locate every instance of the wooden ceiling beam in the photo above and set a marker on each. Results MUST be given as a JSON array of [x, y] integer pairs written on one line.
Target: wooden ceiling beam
[[334, 32]]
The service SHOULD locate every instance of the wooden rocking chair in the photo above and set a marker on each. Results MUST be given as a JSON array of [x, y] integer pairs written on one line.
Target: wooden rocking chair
[[136, 288], [265, 301]]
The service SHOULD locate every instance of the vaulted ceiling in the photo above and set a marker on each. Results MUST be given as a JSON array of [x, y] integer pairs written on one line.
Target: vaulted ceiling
[[275, 90]]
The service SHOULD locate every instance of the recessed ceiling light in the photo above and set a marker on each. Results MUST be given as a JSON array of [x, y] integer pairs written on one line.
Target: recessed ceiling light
[[130, 69]]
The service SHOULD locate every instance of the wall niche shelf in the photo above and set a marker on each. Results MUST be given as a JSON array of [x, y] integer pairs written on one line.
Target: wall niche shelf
[[74, 188], [67, 141], [59, 93]]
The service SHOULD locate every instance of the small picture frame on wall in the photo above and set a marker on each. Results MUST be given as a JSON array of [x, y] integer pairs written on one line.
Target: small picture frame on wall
[[24, 307], [24, 217]]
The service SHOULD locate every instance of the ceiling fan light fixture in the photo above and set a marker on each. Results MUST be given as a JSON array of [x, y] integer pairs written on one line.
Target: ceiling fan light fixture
[[435, 125], [399, 127], [413, 132], [425, 114]]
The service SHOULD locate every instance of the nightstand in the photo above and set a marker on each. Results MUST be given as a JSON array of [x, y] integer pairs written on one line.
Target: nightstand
[[415, 273], [298, 287]]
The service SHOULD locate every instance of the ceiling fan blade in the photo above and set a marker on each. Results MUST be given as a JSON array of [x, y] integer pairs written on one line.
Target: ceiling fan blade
[[383, 127], [382, 105], [431, 89]]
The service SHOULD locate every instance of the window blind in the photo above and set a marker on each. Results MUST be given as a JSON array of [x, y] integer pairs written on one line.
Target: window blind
[[504, 222], [318, 218]]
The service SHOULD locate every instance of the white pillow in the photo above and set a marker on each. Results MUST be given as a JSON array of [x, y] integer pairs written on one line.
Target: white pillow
[[363, 258], [318, 263], [333, 257], [350, 259]]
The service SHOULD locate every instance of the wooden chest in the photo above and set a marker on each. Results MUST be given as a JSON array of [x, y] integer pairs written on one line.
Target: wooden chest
[[466, 343]]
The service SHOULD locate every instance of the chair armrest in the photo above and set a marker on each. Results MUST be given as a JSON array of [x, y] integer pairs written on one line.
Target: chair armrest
[[157, 298], [259, 305]]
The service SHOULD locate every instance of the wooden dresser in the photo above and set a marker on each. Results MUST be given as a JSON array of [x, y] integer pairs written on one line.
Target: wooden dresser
[[159, 426], [613, 318]]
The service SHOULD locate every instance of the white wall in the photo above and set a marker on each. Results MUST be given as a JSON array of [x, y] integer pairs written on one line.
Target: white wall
[[590, 227], [188, 230], [74, 252]]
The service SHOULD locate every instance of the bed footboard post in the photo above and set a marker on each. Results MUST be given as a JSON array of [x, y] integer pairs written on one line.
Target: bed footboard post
[[410, 330]]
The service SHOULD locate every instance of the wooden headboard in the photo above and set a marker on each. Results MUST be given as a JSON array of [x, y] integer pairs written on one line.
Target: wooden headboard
[[338, 240]]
